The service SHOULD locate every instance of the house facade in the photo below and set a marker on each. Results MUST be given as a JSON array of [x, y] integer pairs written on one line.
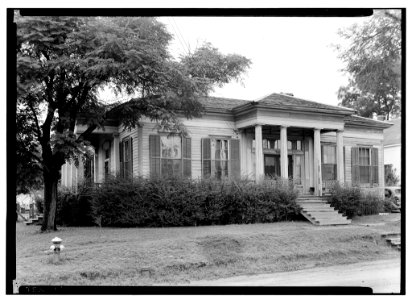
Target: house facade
[[311, 143]]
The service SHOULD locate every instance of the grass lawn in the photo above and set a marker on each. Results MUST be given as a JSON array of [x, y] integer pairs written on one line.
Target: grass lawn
[[154, 256]]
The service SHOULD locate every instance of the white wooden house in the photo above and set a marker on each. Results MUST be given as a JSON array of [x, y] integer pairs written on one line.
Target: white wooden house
[[279, 135]]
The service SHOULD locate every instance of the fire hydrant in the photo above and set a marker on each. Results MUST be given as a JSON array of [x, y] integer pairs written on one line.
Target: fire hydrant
[[56, 248]]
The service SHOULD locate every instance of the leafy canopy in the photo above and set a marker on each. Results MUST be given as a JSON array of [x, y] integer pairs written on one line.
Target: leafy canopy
[[63, 62], [373, 61]]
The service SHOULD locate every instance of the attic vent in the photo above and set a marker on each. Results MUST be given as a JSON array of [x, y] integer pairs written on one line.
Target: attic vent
[[381, 117], [287, 94]]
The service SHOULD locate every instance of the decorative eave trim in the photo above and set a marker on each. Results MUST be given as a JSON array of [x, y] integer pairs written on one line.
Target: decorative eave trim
[[245, 107]]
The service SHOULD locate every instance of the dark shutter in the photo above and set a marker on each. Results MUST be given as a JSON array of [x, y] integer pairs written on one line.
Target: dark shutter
[[375, 166], [187, 156], [206, 163], [130, 162], [234, 159], [154, 152], [355, 165], [121, 160]]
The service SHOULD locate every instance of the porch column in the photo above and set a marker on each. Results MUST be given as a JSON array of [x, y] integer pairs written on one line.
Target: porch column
[[258, 153], [116, 156], [317, 167], [339, 157], [283, 152], [243, 151]]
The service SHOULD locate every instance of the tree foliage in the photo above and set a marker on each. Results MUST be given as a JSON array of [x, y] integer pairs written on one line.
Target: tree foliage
[[391, 176], [62, 62], [373, 61]]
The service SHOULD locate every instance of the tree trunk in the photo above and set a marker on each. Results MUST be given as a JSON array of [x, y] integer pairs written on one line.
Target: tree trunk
[[50, 202]]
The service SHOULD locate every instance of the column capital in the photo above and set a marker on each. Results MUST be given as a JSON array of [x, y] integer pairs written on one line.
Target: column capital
[[317, 128], [259, 124], [284, 126], [339, 130]]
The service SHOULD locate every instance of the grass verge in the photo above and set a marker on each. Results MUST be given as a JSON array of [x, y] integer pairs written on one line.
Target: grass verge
[[152, 256]]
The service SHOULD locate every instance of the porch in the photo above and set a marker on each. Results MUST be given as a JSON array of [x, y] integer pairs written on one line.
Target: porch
[[294, 153]]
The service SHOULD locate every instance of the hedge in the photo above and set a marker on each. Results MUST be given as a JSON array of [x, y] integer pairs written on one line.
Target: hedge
[[352, 201], [157, 202]]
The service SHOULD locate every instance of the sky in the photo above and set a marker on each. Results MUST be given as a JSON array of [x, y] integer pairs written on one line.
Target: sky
[[289, 55]]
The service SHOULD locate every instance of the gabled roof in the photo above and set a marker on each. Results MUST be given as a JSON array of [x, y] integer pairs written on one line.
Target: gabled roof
[[392, 135], [282, 101], [361, 121]]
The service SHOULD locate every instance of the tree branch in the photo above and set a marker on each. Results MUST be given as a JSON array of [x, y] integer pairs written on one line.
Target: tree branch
[[36, 121]]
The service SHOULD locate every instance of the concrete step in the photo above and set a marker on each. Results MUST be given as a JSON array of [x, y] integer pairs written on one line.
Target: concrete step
[[395, 242], [315, 205], [312, 202], [319, 209], [325, 214]]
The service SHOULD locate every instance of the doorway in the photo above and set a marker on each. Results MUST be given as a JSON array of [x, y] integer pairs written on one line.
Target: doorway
[[295, 165]]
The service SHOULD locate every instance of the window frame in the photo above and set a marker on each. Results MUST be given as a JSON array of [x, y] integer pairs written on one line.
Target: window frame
[[209, 161], [184, 162]]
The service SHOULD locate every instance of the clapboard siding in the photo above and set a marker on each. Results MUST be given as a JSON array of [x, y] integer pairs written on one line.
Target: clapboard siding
[[197, 129]]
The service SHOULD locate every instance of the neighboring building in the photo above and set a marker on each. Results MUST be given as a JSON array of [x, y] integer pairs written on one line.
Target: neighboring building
[[312, 143], [392, 146]]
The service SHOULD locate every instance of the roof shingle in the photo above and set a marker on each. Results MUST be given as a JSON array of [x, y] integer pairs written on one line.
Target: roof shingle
[[281, 101]]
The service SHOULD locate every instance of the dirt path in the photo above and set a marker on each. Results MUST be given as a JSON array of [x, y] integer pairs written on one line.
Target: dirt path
[[383, 276]]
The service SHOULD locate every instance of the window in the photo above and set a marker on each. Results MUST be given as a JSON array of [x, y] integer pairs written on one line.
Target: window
[[170, 155], [106, 148], [126, 158], [365, 169], [274, 144], [220, 158], [328, 159], [88, 171], [364, 164]]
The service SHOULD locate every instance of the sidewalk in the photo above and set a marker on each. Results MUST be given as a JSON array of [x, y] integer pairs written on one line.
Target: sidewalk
[[382, 276]]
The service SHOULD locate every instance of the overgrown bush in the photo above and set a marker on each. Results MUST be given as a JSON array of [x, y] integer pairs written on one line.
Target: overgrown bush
[[346, 199], [353, 201], [371, 204], [73, 208], [184, 202]]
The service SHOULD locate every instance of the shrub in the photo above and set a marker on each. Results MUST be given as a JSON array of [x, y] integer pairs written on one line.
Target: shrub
[[346, 199], [178, 201], [370, 204], [352, 201], [73, 208]]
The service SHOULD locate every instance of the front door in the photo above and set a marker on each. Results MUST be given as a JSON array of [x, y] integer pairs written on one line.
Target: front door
[[295, 165], [272, 165]]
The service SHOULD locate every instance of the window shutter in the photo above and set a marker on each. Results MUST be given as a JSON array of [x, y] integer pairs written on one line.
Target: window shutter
[[234, 159], [121, 159], [154, 152], [187, 156], [206, 163], [355, 165], [130, 162], [375, 165]]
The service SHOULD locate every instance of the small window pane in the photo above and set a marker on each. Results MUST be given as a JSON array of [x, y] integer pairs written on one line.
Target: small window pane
[[298, 145], [171, 146], [328, 154]]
